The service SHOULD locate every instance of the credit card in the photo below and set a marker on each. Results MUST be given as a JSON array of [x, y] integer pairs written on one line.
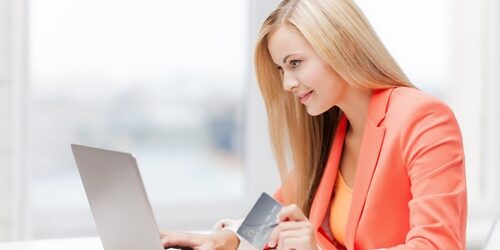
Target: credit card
[[260, 221]]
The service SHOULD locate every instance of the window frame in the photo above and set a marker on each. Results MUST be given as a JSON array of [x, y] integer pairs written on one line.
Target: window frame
[[17, 80]]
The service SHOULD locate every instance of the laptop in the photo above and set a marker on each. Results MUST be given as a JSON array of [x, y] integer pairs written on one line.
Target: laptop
[[117, 198]]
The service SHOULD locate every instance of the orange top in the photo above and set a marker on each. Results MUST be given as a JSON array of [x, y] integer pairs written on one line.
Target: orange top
[[339, 211]]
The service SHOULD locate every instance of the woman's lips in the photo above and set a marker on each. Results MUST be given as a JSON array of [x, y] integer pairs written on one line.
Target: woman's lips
[[304, 97]]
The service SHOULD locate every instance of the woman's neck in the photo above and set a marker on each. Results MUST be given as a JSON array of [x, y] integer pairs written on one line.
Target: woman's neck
[[354, 105]]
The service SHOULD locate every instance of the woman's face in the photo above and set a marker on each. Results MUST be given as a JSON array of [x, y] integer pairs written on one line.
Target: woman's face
[[312, 81]]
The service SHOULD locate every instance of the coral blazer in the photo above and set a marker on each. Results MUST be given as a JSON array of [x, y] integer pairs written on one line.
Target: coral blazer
[[410, 189]]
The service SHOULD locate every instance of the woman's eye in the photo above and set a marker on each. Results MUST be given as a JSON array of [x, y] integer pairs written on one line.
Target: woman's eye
[[280, 69], [295, 63]]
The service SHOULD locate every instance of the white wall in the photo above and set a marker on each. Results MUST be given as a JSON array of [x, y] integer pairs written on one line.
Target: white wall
[[466, 90], [258, 151], [4, 124], [467, 65]]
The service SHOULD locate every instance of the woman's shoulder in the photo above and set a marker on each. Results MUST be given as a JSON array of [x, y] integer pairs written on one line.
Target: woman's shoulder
[[411, 106], [412, 96], [408, 100]]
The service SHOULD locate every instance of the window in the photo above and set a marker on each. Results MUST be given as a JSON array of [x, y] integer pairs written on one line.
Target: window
[[418, 42], [161, 79]]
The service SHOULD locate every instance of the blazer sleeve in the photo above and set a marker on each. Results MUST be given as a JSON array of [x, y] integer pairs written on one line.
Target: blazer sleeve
[[432, 150]]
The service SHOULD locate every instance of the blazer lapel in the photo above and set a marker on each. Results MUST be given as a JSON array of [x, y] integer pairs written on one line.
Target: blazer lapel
[[324, 193], [371, 144]]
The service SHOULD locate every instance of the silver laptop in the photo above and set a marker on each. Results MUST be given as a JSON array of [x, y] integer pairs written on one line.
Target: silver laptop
[[117, 199]]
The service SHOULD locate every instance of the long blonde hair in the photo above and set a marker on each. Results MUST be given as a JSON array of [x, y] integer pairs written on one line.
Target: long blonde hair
[[342, 37]]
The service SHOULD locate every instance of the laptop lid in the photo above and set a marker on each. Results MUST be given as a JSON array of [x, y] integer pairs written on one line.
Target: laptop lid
[[117, 199]]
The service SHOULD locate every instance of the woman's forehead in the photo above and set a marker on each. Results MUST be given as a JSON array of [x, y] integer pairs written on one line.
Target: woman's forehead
[[284, 41]]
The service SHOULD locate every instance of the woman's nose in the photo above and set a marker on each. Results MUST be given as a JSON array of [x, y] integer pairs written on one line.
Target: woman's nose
[[289, 82]]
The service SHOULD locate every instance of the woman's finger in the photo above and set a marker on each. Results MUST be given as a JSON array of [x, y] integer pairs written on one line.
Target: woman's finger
[[291, 212], [295, 243], [181, 239], [164, 234], [285, 226], [291, 234]]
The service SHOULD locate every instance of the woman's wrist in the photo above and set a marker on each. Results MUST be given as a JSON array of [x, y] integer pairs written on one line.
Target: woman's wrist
[[226, 239]]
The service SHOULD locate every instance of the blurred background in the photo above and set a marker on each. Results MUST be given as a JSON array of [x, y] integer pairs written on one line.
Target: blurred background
[[172, 82]]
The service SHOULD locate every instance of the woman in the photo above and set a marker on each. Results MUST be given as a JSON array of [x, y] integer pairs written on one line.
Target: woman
[[375, 163]]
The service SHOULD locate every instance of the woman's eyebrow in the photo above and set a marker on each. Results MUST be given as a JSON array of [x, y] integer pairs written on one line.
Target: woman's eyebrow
[[286, 57]]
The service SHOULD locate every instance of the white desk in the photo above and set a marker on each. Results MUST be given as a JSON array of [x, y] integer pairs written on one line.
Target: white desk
[[93, 243], [89, 243]]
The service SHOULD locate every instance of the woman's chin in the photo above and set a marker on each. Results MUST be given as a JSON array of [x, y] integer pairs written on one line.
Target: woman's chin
[[314, 112]]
